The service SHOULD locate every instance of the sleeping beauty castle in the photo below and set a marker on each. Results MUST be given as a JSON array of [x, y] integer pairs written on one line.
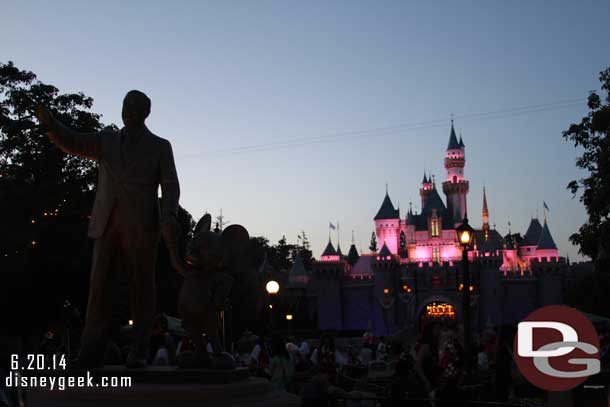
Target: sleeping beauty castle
[[416, 272]]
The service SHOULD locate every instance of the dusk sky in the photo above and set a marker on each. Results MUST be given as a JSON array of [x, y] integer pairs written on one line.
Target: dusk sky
[[337, 99]]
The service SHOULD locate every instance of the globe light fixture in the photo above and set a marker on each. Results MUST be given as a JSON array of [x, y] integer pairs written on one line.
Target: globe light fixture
[[288, 317], [272, 287]]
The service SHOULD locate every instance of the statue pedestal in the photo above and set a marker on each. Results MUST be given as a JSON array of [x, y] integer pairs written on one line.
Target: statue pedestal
[[166, 386]]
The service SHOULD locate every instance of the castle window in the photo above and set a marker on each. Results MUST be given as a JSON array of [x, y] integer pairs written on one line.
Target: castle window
[[434, 226], [436, 254]]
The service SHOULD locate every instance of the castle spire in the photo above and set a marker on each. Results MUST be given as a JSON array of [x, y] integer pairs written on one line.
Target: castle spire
[[485, 215], [453, 142], [425, 180]]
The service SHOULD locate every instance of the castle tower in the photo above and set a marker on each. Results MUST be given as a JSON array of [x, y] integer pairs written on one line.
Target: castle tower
[[426, 187], [330, 254], [387, 224], [456, 187], [485, 216]]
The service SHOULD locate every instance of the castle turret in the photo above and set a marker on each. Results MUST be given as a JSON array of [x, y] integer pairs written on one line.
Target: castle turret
[[330, 254], [352, 255], [455, 187], [546, 246], [485, 214], [387, 224], [426, 187], [528, 246]]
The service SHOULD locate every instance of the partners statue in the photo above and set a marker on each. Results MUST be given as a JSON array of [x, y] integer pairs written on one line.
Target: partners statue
[[213, 259], [126, 221]]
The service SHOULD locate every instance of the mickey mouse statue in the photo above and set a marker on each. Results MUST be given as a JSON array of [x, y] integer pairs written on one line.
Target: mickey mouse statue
[[212, 258]]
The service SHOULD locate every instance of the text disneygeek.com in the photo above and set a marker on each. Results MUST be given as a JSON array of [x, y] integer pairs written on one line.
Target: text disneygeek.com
[[17, 380]]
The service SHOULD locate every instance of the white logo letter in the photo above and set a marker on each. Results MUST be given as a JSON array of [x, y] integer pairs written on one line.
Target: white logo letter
[[525, 338]]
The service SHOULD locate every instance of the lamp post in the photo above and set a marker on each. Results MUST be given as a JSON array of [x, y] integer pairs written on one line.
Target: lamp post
[[464, 234], [272, 287]]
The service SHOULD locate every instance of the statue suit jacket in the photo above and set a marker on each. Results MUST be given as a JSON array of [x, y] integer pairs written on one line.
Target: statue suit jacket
[[129, 175]]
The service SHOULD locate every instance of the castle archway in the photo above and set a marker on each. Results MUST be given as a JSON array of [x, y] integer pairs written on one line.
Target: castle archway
[[436, 308]]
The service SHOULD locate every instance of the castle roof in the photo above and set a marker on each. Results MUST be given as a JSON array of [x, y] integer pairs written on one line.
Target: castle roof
[[453, 141], [546, 240], [330, 250], [433, 201], [461, 141], [385, 251], [533, 233], [387, 210], [494, 240], [339, 250], [362, 266], [352, 255]]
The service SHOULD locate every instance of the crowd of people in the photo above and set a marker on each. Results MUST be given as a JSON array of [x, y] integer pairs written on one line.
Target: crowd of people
[[428, 367], [419, 368]]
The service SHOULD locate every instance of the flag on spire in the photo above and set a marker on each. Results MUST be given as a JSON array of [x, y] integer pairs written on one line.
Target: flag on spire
[[330, 225]]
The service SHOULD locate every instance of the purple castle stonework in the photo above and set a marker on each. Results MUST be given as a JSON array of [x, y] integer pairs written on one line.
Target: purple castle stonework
[[416, 273]]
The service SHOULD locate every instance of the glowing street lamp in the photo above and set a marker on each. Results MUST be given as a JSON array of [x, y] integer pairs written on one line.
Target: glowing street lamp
[[464, 234], [272, 287], [288, 317]]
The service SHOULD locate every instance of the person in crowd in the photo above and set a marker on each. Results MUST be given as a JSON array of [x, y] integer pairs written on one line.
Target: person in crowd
[[368, 341], [260, 358], [426, 360], [324, 358], [281, 367], [482, 359], [293, 352], [382, 350], [304, 349], [365, 356], [451, 370], [162, 345]]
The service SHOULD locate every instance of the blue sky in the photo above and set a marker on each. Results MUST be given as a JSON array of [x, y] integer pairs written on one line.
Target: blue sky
[[224, 75]]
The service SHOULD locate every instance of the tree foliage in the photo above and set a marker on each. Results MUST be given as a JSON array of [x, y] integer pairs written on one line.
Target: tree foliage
[[592, 135], [373, 244], [45, 195]]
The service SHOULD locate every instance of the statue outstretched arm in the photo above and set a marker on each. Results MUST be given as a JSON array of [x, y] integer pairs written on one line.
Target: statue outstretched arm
[[86, 145]]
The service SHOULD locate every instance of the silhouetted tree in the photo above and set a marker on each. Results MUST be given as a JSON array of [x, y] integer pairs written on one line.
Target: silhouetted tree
[[373, 245], [592, 134], [45, 199]]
